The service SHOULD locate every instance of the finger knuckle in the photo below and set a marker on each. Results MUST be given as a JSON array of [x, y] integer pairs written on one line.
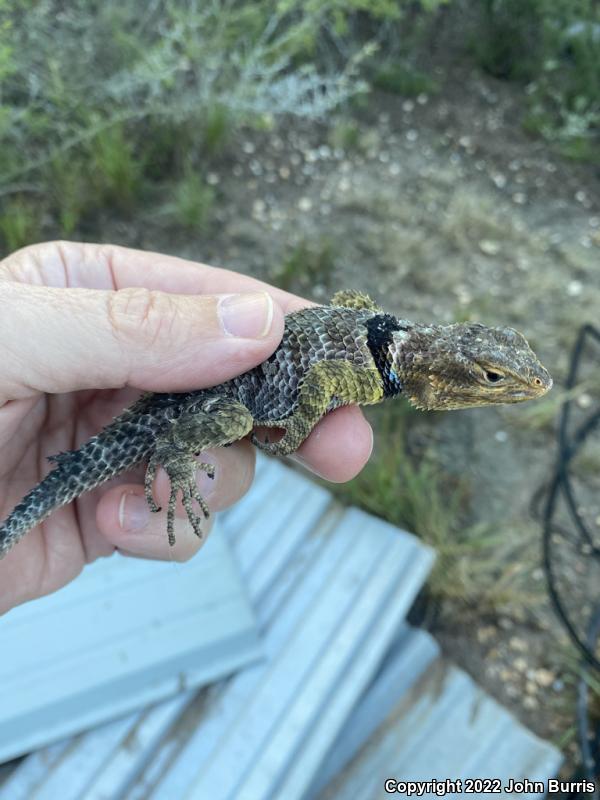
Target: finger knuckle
[[140, 316]]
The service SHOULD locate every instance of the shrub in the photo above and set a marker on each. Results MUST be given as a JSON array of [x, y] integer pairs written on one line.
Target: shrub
[[554, 46]]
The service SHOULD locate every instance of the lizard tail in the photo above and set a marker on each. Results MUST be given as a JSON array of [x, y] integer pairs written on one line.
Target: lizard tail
[[102, 457]]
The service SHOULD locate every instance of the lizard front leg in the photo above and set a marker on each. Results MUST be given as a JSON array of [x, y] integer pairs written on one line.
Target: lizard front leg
[[212, 422], [327, 385]]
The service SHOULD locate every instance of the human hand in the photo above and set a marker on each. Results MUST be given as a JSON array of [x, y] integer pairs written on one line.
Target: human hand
[[84, 328]]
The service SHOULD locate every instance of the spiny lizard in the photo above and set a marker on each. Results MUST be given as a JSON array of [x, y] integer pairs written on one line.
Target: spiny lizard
[[330, 356]]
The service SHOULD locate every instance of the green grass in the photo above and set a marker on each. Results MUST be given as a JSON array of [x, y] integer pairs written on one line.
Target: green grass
[[402, 79], [310, 262], [553, 47], [218, 127], [193, 204], [345, 134], [71, 191], [483, 566], [128, 95], [19, 223], [98, 108], [116, 168]]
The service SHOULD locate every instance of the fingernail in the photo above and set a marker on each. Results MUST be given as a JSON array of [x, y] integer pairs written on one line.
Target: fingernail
[[246, 315], [134, 513]]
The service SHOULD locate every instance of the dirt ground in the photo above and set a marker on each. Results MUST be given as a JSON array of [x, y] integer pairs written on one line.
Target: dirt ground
[[442, 208]]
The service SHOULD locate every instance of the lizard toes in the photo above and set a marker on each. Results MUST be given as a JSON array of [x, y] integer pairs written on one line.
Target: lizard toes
[[193, 518], [209, 469], [154, 507]]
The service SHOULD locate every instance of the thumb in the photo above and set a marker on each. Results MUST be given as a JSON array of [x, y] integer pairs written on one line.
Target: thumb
[[58, 340]]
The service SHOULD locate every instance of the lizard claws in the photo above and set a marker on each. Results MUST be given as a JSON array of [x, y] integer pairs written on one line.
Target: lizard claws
[[181, 470]]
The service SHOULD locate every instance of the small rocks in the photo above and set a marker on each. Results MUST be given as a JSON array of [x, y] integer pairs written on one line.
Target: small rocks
[[520, 664], [489, 247], [544, 678], [259, 208], [515, 643], [463, 294], [486, 633], [305, 204]]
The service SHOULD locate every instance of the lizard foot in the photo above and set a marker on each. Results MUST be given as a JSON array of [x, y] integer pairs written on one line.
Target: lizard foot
[[181, 469]]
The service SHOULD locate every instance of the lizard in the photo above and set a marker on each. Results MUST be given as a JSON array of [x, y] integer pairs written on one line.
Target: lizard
[[347, 352]]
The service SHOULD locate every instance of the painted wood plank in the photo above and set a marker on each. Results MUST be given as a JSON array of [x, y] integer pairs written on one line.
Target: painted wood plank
[[450, 727], [411, 654], [402, 574], [217, 717], [281, 710], [124, 634]]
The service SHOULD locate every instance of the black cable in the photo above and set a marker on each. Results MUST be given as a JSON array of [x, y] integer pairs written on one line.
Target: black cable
[[588, 742], [568, 446], [560, 485]]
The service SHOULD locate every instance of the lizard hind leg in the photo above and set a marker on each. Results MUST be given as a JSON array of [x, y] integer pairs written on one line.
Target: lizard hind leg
[[206, 423]]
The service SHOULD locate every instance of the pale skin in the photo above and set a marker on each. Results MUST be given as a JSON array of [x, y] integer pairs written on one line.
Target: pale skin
[[83, 329]]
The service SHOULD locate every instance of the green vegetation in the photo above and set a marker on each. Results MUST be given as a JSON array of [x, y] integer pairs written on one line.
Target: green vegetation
[[311, 262], [484, 566], [124, 95], [399, 78], [18, 223], [553, 46], [193, 203], [344, 134], [104, 105], [116, 172]]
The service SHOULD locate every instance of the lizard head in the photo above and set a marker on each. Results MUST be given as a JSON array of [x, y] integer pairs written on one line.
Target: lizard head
[[465, 365]]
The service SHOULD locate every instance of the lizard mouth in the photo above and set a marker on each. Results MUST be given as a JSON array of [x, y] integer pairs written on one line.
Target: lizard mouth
[[537, 390]]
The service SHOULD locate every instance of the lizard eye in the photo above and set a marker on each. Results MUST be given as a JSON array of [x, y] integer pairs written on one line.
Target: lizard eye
[[492, 376]]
